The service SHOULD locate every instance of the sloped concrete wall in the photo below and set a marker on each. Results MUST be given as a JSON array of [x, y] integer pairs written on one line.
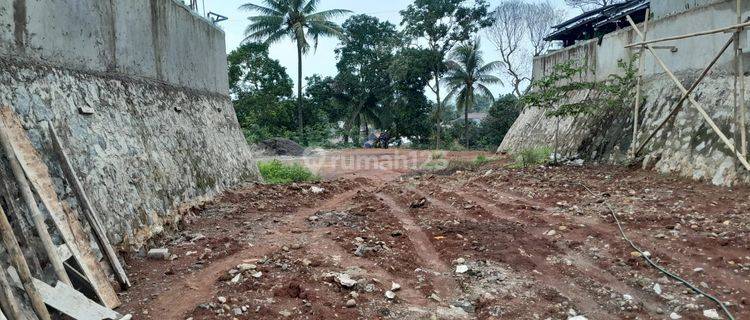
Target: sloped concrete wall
[[163, 132], [687, 146]]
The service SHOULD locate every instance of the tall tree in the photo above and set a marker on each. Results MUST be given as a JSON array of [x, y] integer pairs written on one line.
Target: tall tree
[[518, 31], [298, 21], [364, 55], [443, 24], [261, 91], [467, 75], [409, 110]]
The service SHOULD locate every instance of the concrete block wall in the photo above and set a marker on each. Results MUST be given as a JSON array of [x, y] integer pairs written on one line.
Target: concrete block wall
[[163, 132], [687, 146]]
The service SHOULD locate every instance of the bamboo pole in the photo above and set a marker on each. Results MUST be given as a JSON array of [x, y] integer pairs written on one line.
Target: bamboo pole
[[641, 67], [695, 104], [740, 77], [689, 35], [14, 250], [28, 197], [684, 97], [89, 211]]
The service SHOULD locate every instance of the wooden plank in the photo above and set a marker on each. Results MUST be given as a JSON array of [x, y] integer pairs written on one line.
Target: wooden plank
[[8, 299], [684, 97], [22, 229], [67, 224], [641, 67], [24, 274], [70, 302], [91, 215], [28, 197], [689, 35], [694, 103]]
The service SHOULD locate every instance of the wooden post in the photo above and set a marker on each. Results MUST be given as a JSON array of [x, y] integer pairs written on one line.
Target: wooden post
[[684, 97], [36, 215], [729, 29], [695, 104], [740, 88], [89, 211], [637, 104], [14, 250], [21, 226], [9, 302]]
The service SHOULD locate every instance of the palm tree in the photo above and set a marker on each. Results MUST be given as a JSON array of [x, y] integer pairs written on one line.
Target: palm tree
[[297, 20], [467, 74]]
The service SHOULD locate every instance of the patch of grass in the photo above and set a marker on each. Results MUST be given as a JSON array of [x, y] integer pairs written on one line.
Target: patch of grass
[[437, 155], [276, 172], [446, 167], [482, 159], [532, 157]]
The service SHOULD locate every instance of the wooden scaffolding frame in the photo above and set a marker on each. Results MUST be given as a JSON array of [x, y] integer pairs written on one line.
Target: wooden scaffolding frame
[[739, 147]]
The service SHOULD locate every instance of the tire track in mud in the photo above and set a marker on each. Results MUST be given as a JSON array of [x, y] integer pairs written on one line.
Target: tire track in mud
[[199, 286], [549, 275], [601, 229], [443, 282]]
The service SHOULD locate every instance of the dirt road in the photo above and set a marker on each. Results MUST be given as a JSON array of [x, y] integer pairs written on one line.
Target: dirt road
[[486, 243]]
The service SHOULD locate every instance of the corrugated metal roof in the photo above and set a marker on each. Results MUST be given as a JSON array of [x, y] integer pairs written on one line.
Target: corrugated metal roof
[[599, 21]]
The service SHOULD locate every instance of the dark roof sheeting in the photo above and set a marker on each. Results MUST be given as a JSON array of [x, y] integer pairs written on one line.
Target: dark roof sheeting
[[599, 21]]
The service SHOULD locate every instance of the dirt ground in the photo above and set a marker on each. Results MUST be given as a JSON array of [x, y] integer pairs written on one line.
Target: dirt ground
[[482, 243]]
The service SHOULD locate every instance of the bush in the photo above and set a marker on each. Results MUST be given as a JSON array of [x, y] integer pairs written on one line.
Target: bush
[[276, 172], [532, 157]]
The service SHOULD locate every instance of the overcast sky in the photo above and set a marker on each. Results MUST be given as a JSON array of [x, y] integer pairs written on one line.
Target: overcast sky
[[323, 61]]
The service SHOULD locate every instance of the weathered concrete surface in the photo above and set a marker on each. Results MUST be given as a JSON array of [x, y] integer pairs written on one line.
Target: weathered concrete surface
[[664, 8], [138, 157], [163, 133], [155, 39], [687, 146]]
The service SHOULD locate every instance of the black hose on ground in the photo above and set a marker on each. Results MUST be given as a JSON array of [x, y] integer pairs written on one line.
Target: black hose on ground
[[656, 266]]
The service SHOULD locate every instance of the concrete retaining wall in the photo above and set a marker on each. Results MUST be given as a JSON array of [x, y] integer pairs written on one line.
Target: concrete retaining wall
[[687, 146], [163, 131], [155, 39]]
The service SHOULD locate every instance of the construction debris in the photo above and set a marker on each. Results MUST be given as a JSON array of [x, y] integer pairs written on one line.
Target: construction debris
[[158, 254]]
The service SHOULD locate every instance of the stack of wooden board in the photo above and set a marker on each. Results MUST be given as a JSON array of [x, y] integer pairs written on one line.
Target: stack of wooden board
[[82, 289]]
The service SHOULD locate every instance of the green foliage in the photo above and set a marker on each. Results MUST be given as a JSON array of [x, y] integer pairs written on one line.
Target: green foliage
[[555, 92], [532, 157], [252, 71], [443, 24], [263, 101], [450, 166], [500, 118], [276, 172], [365, 52], [467, 74], [298, 21], [409, 110], [482, 159]]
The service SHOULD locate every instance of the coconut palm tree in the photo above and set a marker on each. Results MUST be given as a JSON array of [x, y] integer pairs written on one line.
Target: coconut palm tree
[[467, 74], [296, 20]]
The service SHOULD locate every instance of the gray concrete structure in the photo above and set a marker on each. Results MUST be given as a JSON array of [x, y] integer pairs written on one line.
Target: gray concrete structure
[[163, 132], [154, 39], [687, 146]]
